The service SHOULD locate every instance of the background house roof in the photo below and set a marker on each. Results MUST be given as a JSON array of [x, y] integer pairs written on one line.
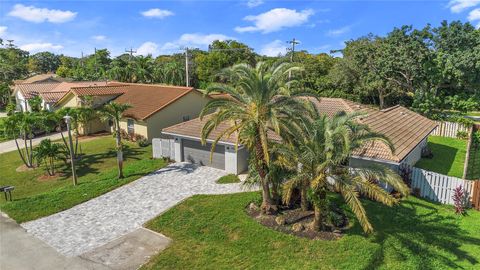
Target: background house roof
[[52, 97], [30, 90], [45, 78], [105, 90], [147, 99]]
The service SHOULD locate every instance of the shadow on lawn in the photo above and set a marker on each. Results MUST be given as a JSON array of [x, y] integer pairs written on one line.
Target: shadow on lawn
[[428, 237], [84, 166], [443, 157]]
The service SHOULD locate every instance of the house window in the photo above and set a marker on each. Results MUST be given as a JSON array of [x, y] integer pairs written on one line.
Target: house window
[[186, 118], [130, 126]]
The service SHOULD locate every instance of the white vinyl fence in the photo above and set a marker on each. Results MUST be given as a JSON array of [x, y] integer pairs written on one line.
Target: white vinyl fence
[[438, 187], [163, 148], [448, 129]]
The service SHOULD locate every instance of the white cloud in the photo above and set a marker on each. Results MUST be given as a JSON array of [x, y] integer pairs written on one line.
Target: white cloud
[[338, 32], [99, 38], [474, 15], [274, 48], [275, 20], [3, 30], [192, 40], [147, 48], [157, 13], [457, 6], [39, 15], [37, 47], [254, 3]]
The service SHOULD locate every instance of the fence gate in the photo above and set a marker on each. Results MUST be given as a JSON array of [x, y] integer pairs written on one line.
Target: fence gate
[[476, 195], [163, 148]]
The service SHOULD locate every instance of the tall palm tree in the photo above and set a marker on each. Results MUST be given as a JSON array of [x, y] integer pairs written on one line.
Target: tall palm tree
[[113, 111], [321, 155], [22, 125], [260, 102]]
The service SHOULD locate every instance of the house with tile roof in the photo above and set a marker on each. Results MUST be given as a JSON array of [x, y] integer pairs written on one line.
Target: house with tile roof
[[50, 91], [407, 130], [153, 106]]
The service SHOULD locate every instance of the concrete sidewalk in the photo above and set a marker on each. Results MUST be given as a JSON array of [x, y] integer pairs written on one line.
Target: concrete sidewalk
[[22, 251], [9, 146]]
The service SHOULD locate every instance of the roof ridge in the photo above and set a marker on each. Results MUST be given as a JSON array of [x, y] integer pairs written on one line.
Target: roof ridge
[[159, 85], [390, 108], [97, 86]]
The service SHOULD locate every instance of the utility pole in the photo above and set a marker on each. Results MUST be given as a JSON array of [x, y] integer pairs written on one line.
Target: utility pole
[[292, 42], [187, 77], [96, 68], [131, 52], [81, 60], [10, 43], [68, 119]]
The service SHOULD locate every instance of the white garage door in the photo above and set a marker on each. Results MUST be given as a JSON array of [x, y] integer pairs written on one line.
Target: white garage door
[[195, 152]]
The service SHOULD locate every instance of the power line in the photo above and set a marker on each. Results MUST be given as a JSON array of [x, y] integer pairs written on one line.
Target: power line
[[131, 52], [292, 42]]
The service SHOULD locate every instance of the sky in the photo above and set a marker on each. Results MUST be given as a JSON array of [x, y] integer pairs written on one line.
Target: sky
[[165, 27]]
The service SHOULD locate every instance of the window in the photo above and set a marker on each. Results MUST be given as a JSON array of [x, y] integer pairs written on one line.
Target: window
[[186, 118], [130, 126]]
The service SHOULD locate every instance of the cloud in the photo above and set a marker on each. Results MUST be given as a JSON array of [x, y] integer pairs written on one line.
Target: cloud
[[457, 6], [192, 40], [39, 15], [474, 15], [275, 20], [99, 38], [338, 32], [36, 47], [254, 3], [147, 48], [274, 48], [157, 13], [3, 30]]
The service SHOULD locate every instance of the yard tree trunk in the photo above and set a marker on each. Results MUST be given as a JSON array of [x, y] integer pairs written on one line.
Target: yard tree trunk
[[303, 198], [267, 204], [320, 211], [119, 152]]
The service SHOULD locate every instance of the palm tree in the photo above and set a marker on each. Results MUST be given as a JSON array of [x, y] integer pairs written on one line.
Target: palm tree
[[322, 154], [48, 153], [22, 125], [260, 103], [113, 111]]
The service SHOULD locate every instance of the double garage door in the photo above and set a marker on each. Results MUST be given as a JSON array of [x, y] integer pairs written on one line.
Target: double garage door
[[195, 152]]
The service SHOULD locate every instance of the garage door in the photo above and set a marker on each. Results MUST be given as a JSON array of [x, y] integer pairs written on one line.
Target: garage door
[[197, 153]]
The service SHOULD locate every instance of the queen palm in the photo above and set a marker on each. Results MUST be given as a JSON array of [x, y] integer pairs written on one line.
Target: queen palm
[[113, 111], [321, 156], [259, 102]]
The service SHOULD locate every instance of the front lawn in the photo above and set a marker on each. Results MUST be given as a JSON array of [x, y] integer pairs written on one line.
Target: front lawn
[[97, 174], [214, 232], [448, 156], [228, 179]]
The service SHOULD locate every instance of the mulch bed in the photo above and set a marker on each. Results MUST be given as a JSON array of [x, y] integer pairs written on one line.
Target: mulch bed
[[46, 177], [294, 218]]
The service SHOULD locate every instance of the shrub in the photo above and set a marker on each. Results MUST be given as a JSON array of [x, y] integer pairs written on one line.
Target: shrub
[[463, 135], [476, 138], [460, 200], [427, 153], [405, 172], [142, 142]]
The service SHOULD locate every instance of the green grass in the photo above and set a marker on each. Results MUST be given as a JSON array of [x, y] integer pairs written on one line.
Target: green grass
[[97, 172], [448, 156], [228, 179], [473, 170], [214, 232]]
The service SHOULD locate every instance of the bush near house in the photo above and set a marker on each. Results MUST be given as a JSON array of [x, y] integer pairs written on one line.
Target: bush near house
[[214, 231], [97, 172], [448, 156]]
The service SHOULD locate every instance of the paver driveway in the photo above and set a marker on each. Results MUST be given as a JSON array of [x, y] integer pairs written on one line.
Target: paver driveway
[[107, 217]]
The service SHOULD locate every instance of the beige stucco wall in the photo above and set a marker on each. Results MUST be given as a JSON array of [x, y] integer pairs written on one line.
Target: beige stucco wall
[[189, 105], [71, 101], [139, 127]]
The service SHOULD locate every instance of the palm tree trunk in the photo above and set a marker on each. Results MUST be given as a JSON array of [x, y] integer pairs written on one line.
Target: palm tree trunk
[[320, 210], [267, 204], [303, 198], [119, 152], [31, 152], [20, 152]]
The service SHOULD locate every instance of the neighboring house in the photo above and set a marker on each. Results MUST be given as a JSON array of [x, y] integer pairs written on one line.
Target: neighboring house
[[43, 78], [49, 91], [153, 107], [407, 130]]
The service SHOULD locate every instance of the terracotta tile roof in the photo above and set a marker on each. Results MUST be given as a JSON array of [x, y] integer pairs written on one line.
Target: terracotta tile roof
[[148, 99], [30, 90], [105, 90], [42, 77], [193, 128], [52, 97], [406, 129]]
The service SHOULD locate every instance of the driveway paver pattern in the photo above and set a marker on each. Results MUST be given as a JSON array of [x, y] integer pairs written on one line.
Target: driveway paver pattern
[[96, 222]]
